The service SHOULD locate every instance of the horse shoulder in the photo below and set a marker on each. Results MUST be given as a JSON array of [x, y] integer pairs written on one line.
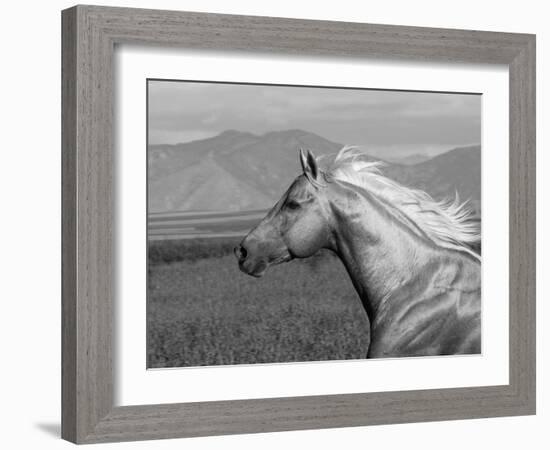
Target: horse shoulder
[[438, 313]]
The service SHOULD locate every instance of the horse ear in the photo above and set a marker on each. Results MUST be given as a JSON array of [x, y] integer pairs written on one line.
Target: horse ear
[[303, 160], [309, 165]]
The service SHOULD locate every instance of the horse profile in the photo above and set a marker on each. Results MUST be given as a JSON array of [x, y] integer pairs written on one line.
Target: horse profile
[[408, 256]]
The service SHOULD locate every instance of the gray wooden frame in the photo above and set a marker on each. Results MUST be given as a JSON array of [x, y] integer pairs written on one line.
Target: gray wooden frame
[[89, 36]]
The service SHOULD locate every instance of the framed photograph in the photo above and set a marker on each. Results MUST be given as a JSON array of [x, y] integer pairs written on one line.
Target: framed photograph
[[278, 224]]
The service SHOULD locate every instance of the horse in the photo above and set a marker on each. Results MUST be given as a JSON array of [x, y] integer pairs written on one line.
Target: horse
[[409, 257]]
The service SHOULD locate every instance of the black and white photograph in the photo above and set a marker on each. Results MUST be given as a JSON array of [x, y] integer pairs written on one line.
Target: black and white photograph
[[303, 223], [275, 225]]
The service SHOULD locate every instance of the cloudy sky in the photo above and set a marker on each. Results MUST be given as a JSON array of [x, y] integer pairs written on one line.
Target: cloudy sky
[[385, 122]]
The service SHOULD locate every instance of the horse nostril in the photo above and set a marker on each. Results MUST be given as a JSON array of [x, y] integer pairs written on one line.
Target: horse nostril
[[240, 252]]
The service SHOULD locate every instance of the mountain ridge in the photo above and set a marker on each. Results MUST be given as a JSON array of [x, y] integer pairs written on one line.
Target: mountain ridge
[[238, 170]]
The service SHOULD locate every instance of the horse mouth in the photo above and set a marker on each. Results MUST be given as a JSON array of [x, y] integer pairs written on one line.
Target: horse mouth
[[258, 268], [255, 269]]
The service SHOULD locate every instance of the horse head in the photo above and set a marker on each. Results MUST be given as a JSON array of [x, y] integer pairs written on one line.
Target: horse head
[[296, 227]]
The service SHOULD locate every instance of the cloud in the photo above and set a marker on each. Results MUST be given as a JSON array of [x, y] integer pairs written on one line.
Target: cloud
[[180, 110]]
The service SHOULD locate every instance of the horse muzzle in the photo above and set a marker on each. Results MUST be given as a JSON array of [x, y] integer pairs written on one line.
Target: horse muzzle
[[255, 267], [256, 256]]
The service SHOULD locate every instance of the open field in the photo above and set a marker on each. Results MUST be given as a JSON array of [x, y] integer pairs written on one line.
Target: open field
[[203, 311]]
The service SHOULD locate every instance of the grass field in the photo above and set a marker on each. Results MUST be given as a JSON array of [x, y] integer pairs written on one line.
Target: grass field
[[203, 311]]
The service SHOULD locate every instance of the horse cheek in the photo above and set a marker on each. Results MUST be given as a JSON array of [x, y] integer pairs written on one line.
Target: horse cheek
[[303, 239]]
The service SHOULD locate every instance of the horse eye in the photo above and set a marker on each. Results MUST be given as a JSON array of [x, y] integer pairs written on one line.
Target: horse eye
[[292, 205]]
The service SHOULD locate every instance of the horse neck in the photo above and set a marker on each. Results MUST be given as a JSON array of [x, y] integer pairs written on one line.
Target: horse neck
[[379, 252]]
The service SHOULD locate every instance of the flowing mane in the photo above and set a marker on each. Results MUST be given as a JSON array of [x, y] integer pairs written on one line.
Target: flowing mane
[[447, 223]]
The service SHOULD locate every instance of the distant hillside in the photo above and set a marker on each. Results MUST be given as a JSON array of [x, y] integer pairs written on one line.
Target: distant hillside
[[231, 171], [456, 170], [241, 171], [409, 160]]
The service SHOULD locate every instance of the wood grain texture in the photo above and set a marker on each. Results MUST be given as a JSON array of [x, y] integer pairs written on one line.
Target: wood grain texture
[[68, 225], [88, 211], [89, 36], [523, 224]]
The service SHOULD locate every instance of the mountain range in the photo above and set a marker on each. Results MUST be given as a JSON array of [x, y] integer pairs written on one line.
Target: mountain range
[[236, 171], [409, 160]]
